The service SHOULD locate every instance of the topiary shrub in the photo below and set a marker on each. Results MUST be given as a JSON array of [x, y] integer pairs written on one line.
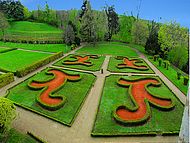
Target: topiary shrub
[[155, 57], [185, 80], [178, 75], [166, 64], [160, 61], [7, 115]]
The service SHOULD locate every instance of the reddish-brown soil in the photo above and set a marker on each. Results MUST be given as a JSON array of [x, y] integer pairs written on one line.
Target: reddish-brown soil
[[59, 80], [80, 60], [131, 63], [139, 94]]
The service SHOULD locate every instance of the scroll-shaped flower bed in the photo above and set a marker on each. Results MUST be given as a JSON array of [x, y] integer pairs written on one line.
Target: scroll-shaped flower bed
[[46, 98], [80, 60], [142, 98], [132, 63]]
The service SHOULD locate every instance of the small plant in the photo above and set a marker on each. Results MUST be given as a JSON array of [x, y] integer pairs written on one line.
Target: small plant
[[186, 80], [166, 64], [178, 75], [160, 61]]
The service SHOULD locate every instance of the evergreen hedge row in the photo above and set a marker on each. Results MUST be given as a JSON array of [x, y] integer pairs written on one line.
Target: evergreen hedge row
[[6, 79], [24, 71]]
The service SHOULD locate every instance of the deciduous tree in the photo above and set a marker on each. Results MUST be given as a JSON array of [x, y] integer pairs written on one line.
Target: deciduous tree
[[3, 24]]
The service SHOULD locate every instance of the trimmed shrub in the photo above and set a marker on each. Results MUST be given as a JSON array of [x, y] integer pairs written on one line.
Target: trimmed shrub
[[185, 80], [120, 57], [160, 61], [24, 71], [178, 75], [166, 64], [6, 79], [155, 57]]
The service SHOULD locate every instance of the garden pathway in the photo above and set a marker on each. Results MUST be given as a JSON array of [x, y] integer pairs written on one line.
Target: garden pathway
[[80, 131]]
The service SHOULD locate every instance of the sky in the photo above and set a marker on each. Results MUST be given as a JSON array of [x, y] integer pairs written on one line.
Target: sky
[[158, 10]]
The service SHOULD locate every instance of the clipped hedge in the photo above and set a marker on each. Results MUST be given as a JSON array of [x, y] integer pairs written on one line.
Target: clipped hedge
[[6, 79], [24, 71], [8, 50]]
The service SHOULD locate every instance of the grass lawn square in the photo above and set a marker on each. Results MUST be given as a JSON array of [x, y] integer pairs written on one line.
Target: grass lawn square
[[116, 114], [14, 60], [134, 68], [81, 61], [54, 93], [109, 49]]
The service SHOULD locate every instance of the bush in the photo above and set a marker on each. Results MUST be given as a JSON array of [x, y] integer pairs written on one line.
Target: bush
[[160, 61], [7, 115], [178, 75], [186, 80], [6, 79], [24, 71], [166, 64], [155, 57], [77, 41]]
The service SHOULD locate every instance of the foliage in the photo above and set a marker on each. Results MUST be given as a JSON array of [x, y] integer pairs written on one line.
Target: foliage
[[3, 24], [171, 75], [27, 13], [83, 8], [152, 46], [13, 9], [139, 32], [113, 21], [69, 35], [179, 56], [186, 79], [6, 79], [75, 93], [7, 114], [160, 61], [178, 75], [88, 25], [108, 49]]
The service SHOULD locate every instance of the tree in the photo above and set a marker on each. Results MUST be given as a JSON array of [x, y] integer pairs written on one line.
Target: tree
[[139, 32], [12, 9], [3, 24], [113, 21], [69, 35], [27, 13], [83, 8], [152, 46], [88, 25], [7, 115]]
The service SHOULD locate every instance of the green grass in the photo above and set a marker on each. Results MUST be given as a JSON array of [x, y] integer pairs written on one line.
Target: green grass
[[97, 63], [109, 49], [114, 62], [138, 47], [34, 27], [3, 49], [14, 60], [75, 93], [17, 137], [32, 31], [171, 74], [114, 95], [38, 47]]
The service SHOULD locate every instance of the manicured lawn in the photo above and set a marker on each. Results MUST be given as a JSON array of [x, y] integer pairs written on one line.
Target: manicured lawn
[[14, 60], [160, 121], [38, 47], [75, 93], [138, 47], [171, 74], [17, 137], [114, 62], [3, 49], [96, 63], [108, 49]]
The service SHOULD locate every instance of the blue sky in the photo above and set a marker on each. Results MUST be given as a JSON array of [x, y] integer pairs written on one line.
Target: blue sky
[[178, 10]]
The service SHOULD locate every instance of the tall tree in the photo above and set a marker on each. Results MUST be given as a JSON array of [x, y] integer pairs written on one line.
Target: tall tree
[[69, 35], [152, 46], [3, 24], [113, 21], [83, 8], [139, 32], [88, 25], [12, 9]]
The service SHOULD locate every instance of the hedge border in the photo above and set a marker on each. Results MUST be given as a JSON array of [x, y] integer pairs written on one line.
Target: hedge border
[[150, 133], [36, 137], [147, 102], [46, 106], [26, 70], [47, 116], [5, 79], [8, 50]]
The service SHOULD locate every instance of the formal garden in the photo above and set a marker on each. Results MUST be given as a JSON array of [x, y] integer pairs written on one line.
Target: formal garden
[[90, 76]]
